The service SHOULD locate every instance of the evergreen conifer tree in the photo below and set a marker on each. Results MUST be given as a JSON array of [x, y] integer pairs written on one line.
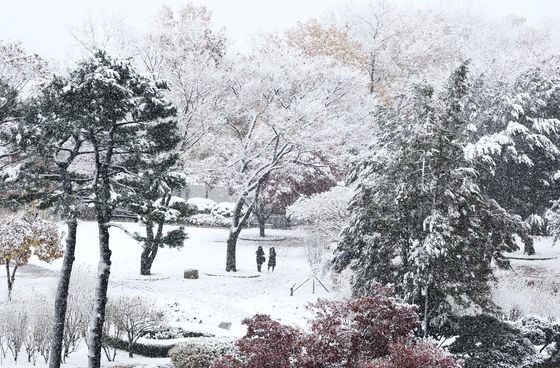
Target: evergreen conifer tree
[[419, 219]]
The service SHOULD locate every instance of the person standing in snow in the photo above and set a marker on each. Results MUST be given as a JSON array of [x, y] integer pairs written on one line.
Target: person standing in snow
[[271, 258], [260, 258]]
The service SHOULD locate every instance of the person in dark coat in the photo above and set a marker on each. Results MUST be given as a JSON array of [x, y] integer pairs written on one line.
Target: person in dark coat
[[271, 258], [260, 258]]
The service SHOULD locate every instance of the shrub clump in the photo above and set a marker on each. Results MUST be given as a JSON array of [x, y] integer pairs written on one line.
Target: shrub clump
[[370, 332], [170, 333], [485, 341], [208, 220], [202, 352]]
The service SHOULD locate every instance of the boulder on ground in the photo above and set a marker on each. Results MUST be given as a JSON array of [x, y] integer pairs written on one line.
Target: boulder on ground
[[225, 325], [191, 274]]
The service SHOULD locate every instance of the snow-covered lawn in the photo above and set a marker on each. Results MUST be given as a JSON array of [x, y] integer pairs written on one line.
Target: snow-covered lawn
[[196, 305], [545, 264], [531, 286]]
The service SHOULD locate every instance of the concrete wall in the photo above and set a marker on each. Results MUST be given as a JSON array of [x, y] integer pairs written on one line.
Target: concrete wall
[[217, 194]]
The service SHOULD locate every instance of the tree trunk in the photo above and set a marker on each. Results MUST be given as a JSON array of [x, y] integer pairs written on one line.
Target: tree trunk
[[238, 222], [147, 258], [528, 247], [151, 246], [262, 222], [9, 279], [98, 313], [230, 253], [61, 301], [425, 321]]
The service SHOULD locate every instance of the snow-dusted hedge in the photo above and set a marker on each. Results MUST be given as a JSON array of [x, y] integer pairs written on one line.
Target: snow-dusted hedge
[[202, 352], [224, 209], [147, 350], [208, 220], [202, 205], [169, 333]]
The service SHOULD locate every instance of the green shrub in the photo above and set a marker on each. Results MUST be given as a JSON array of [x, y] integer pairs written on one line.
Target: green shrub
[[147, 350], [484, 341]]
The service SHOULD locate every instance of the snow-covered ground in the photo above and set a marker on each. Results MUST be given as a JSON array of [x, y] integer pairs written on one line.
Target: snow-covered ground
[[196, 305], [544, 264]]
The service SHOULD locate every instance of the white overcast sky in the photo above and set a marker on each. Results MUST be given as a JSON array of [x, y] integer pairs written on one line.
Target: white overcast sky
[[44, 26]]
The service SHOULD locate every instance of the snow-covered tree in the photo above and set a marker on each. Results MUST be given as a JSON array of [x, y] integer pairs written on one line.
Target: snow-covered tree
[[53, 169], [184, 48], [517, 132], [24, 235], [287, 185], [18, 68], [395, 47], [326, 212], [118, 109], [280, 109], [149, 184], [19, 73], [419, 219]]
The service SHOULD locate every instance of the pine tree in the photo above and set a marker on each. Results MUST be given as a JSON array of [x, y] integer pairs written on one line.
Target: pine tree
[[419, 219], [149, 183], [46, 143], [116, 108], [519, 135]]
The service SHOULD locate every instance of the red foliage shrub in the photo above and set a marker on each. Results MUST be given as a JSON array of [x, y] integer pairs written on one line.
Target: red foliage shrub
[[268, 343], [369, 332], [227, 362], [359, 329], [419, 354]]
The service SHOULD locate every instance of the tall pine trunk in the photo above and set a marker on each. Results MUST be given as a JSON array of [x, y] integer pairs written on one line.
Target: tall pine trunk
[[98, 313], [61, 301]]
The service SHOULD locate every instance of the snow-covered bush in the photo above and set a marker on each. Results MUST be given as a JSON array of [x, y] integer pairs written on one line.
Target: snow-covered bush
[[25, 327], [201, 352], [208, 220], [15, 323], [23, 235], [420, 354], [224, 209], [202, 205], [326, 211], [170, 333], [133, 317], [485, 341], [375, 331], [37, 340], [538, 225], [538, 330], [518, 297], [80, 299], [314, 250]]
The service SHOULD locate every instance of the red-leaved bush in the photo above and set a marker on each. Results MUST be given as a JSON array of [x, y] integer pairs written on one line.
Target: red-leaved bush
[[417, 354], [369, 332]]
